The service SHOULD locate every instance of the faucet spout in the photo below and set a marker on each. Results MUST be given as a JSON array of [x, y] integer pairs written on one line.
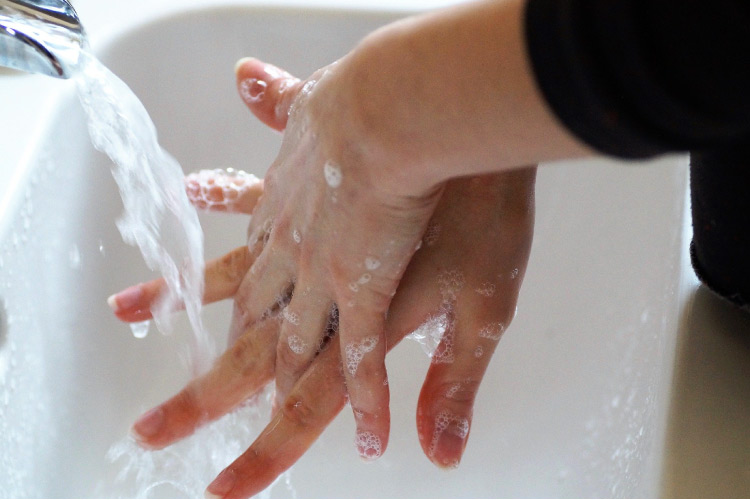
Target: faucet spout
[[40, 36]]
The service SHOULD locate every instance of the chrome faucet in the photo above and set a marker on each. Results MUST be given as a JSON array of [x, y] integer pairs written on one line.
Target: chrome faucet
[[40, 36]]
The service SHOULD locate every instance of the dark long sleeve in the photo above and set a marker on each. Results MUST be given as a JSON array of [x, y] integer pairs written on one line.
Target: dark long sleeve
[[634, 78]]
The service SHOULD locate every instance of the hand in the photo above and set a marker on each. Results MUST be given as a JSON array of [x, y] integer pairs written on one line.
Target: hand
[[469, 268], [330, 233]]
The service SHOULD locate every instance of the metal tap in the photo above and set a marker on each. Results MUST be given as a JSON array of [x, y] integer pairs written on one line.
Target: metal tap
[[40, 36]]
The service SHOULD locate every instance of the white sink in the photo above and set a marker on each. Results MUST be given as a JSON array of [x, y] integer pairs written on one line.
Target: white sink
[[575, 402]]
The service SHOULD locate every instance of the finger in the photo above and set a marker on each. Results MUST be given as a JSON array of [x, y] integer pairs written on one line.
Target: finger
[[446, 401], [314, 402], [267, 90], [218, 190], [238, 374], [263, 291], [311, 406], [363, 350], [222, 277], [304, 323]]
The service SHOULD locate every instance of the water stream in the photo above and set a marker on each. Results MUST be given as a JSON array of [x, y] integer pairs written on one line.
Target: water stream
[[158, 217], [161, 222]]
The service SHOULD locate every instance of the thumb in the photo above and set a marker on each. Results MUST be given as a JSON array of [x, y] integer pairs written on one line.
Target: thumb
[[267, 90]]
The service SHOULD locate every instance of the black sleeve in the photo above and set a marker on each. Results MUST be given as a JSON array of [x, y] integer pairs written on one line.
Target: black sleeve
[[720, 188], [635, 78]]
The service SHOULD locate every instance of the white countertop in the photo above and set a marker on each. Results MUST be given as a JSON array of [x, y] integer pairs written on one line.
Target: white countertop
[[26, 99]]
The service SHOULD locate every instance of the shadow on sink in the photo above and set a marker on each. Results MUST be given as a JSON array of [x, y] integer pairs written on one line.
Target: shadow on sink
[[708, 441]]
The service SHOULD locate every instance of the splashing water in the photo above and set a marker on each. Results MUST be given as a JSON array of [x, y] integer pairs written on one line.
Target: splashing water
[[184, 469], [158, 217]]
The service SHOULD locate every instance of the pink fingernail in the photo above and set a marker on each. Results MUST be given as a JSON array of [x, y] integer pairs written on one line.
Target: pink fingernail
[[149, 424], [241, 63], [126, 299], [222, 485], [449, 439]]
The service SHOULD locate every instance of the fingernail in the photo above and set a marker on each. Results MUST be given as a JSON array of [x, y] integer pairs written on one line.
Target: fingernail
[[369, 446], [252, 89], [126, 299], [241, 62], [222, 485], [449, 440], [149, 424]]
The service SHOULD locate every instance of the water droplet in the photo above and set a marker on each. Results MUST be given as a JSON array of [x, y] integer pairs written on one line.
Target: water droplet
[[140, 330]]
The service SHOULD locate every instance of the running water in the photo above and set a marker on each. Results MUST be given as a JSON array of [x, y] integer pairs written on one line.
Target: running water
[[160, 220], [157, 217]]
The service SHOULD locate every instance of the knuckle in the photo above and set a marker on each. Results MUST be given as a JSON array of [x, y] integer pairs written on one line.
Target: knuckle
[[186, 403], [457, 393], [298, 412], [288, 361], [233, 266], [243, 356]]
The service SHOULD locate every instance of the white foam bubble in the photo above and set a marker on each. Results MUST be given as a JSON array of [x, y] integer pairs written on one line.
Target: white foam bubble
[[364, 279], [296, 236], [252, 89], [333, 175], [296, 344], [432, 233], [478, 351], [429, 333], [487, 289], [219, 187], [451, 283], [356, 351], [290, 317], [447, 421], [371, 263], [368, 445], [492, 331]]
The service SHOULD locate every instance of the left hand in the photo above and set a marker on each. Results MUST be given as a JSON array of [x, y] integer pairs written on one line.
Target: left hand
[[470, 268]]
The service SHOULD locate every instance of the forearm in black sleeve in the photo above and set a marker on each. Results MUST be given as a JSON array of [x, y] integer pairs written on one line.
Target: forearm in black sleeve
[[635, 78]]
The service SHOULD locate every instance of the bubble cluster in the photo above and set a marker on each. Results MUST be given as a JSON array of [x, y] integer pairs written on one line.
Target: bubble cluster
[[478, 351], [252, 89], [444, 352], [429, 333], [290, 317], [432, 233], [451, 282], [492, 331], [296, 344], [447, 421], [487, 289], [218, 188], [356, 351], [368, 445], [332, 173], [452, 390], [296, 236]]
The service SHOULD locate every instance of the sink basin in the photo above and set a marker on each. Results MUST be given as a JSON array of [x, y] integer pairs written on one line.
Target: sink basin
[[575, 402]]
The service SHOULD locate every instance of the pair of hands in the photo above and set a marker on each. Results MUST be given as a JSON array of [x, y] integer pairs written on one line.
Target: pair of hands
[[333, 279]]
